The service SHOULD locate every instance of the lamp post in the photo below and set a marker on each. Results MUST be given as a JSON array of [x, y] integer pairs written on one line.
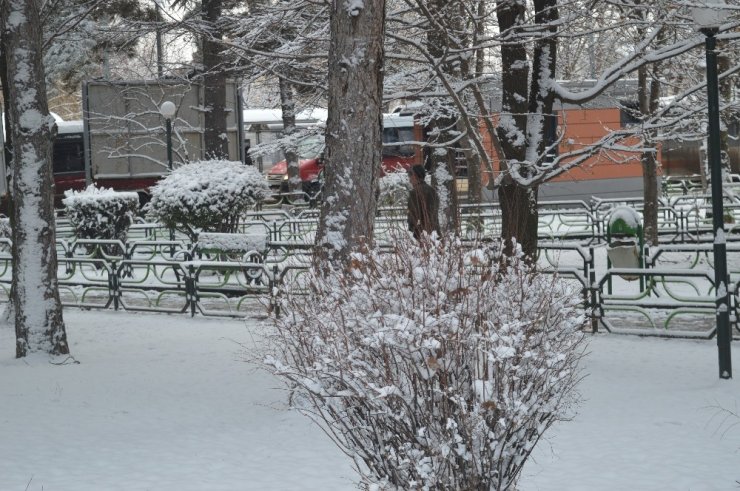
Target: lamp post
[[168, 110], [709, 19]]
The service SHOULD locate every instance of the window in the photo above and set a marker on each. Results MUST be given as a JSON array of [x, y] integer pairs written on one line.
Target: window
[[69, 156], [391, 139], [310, 148]]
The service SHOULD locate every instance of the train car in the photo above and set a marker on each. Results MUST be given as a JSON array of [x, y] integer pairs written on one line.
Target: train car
[[68, 160], [400, 151]]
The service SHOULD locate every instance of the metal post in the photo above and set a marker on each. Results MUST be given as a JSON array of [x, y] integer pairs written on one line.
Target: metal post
[[169, 165], [169, 143], [158, 32], [724, 334]]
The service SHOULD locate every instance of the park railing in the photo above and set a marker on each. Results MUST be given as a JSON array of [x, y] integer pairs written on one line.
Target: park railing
[[156, 270], [681, 219]]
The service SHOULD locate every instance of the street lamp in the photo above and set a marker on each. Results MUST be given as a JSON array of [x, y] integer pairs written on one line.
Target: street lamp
[[168, 110], [709, 19]]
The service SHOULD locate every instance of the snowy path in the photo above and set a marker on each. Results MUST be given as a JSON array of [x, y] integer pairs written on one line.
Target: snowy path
[[649, 422], [165, 403], [158, 403]]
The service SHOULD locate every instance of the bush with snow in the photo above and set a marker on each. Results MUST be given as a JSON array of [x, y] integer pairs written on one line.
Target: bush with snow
[[394, 188], [207, 195], [101, 213], [436, 366], [5, 231]]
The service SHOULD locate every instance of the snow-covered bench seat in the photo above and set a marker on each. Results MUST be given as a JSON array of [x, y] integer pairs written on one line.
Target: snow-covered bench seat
[[221, 243]]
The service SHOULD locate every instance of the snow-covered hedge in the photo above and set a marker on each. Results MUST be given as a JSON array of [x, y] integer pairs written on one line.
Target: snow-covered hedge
[[436, 366], [101, 213], [207, 195], [5, 231], [394, 189]]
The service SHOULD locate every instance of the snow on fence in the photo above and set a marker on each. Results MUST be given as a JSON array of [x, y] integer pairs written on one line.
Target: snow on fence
[[151, 272], [685, 219]]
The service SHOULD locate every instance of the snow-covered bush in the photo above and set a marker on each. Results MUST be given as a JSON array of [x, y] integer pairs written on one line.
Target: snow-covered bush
[[436, 366], [101, 213], [394, 188], [5, 231], [207, 195]]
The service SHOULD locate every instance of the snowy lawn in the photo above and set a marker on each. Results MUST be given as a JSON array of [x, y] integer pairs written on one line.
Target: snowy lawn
[[157, 403], [166, 403]]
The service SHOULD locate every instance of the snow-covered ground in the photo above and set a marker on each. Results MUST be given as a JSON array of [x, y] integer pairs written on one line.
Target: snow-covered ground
[[163, 402]]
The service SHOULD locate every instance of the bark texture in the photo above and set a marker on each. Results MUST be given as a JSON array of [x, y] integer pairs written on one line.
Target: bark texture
[[649, 98], [525, 110], [726, 86], [287, 103], [442, 163], [39, 324], [214, 84], [475, 161], [353, 128], [442, 160]]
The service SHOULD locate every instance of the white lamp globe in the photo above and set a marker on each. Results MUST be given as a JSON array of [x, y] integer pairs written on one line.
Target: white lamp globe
[[710, 16], [168, 109]]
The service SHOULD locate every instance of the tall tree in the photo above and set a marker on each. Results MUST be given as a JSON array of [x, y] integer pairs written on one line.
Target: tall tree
[[284, 40], [287, 105], [649, 98], [39, 325], [214, 82], [205, 19], [353, 127], [83, 38], [525, 109]]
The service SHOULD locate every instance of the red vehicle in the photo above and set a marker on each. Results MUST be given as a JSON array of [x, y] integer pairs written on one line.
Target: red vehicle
[[68, 159], [68, 162], [399, 152]]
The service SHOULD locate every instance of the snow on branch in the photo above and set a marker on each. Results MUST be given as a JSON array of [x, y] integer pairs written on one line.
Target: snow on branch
[[434, 365]]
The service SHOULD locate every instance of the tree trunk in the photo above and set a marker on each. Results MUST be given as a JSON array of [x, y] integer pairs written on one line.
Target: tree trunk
[[519, 217], [442, 160], [215, 137], [8, 145], [524, 117], [649, 97], [287, 103], [474, 164], [39, 324], [353, 128], [475, 161], [517, 212], [725, 92], [650, 197], [442, 163], [8, 315]]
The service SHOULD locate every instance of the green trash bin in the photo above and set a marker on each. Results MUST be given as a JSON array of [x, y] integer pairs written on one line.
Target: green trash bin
[[625, 242]]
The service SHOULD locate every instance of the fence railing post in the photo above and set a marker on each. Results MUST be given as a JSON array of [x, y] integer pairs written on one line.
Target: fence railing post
[[191, 290], [114, 285]]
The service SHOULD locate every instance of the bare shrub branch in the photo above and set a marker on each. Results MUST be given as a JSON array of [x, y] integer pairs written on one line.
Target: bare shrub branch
[[435, 366]]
